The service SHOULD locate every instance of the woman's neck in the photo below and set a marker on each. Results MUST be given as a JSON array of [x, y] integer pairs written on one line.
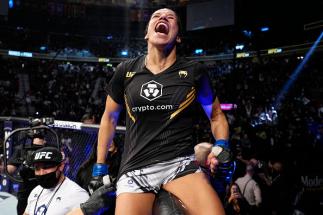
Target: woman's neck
[[157, 61]]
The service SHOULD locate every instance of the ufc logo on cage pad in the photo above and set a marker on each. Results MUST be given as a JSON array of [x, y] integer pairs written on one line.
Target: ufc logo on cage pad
[[40, 155]]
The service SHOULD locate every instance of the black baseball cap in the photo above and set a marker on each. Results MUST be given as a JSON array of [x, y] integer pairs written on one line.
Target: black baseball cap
[[49, 154]]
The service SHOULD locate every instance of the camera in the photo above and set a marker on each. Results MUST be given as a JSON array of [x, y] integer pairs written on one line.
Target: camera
[[42, 121], [38, 132]]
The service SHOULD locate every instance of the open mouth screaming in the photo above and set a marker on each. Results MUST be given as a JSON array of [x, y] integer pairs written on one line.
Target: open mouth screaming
[[162, 27]]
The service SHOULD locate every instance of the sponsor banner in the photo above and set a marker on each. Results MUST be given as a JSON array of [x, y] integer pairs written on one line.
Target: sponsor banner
[[312, 183], [67, 124]]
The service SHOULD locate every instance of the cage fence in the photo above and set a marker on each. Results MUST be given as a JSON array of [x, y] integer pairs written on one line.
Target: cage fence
[[75, 139]]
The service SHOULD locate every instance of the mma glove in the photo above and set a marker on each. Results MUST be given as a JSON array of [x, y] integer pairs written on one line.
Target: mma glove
[[100, 177], [221, 150], [101, 201]]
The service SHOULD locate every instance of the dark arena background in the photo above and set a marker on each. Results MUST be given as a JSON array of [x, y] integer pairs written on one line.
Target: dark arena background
[[264, 57]]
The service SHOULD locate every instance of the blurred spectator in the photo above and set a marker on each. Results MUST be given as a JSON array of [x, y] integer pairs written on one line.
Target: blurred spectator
[[1, 166], [88, 118], [234, 202], [275, 187], [250, 189], [320, 111]]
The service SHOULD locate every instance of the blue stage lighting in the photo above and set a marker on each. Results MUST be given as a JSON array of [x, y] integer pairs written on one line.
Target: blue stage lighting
[[295, 74], [11, 4], [264, 29], [198, 51], [124, 53], [247, 33], [43, 48]]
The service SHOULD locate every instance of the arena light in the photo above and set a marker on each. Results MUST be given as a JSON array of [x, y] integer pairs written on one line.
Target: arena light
[[294, 75], [239, 46], [104, 60], [274, 51], [43, 48], [20, 54], [11, 4], [242, 54], [264, 29], [228, 106], [247, 33], [124, 53], [109, 37], [198, 51]]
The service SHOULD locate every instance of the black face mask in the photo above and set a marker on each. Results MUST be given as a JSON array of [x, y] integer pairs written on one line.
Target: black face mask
[[49, 180]]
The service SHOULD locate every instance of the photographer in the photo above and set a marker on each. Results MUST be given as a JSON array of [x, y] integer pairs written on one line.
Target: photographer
[[234, 202], [19, 161]]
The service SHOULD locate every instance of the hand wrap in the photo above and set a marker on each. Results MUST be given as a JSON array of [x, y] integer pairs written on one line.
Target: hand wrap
[[100, 177], [221, 150]]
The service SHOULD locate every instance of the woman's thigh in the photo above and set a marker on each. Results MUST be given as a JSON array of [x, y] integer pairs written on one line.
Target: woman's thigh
[[196, 193], [134, 203]]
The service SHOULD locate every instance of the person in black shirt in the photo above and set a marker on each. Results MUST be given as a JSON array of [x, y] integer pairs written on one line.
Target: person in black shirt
[[84, 173], [161, 93]]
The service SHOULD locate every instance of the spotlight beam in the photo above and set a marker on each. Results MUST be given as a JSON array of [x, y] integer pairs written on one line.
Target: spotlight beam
[[296, 73]]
